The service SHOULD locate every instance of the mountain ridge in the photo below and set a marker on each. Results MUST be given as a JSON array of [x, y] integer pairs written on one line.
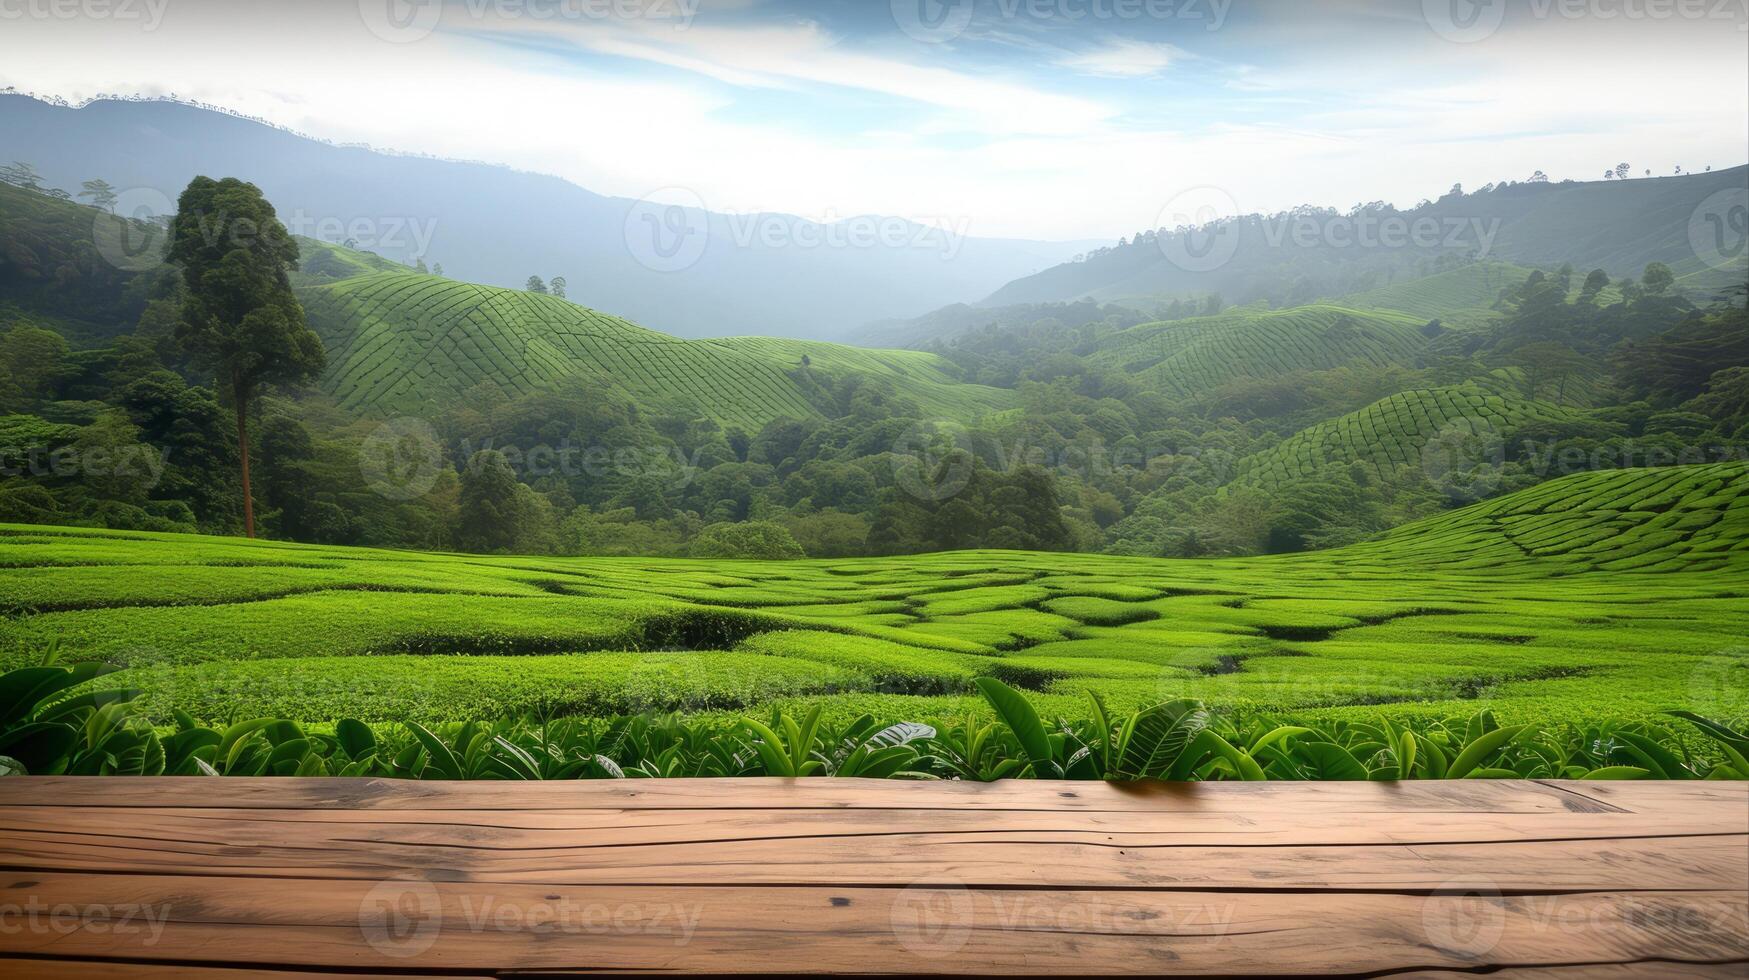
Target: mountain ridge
[[511, 224]]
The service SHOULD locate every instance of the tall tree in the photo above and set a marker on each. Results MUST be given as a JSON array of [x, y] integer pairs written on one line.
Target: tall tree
[[557, 286], [239, 317], [100, 192], [21, 174]]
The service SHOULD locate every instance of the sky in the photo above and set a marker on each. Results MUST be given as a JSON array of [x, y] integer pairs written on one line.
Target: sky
[[1048, 119]]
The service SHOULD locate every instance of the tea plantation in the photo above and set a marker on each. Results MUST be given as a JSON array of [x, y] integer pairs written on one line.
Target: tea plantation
[[1187, 356], [1468, 422], [400, 342], [1604, 595]]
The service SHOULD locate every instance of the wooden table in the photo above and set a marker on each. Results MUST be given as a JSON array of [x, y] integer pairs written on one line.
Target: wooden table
[[121, 878]]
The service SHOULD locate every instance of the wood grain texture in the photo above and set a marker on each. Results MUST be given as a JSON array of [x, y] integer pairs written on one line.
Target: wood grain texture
[[233, 877]]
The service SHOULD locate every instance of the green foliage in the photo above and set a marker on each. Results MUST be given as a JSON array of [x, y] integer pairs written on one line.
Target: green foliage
[[48, 727], [752, 539], [1676, 364], [50, 265]]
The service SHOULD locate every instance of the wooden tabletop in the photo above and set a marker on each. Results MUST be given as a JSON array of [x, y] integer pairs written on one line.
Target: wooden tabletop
[[122, 878]]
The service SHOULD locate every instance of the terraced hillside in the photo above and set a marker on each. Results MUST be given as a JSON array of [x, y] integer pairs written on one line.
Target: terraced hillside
[[1191, 356], [1669, 519], [1463, 297], [1464, 424], [1616, 593], [402, 343]]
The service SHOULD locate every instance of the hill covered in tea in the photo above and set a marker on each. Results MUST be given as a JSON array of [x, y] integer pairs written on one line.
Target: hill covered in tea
[[1601, 594], [406, 343]]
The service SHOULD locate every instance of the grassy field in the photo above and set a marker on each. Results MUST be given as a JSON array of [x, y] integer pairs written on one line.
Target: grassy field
[[401, 343], [1605, 594]]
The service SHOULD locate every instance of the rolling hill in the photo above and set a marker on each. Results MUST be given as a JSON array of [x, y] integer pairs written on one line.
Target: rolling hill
[[1397, 431], [1460, 297], [400, 342], [1668, 519], [51, 268], [1618, 226], [1187, 357]]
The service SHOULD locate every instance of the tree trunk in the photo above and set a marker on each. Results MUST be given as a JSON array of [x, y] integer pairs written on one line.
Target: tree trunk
[[240, 397]]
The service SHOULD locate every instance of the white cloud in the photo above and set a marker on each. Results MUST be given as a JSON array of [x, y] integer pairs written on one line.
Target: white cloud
[[1021, 149], [1124, 58]]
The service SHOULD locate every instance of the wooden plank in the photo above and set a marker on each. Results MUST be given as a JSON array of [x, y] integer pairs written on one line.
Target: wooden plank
[[612, 828], [99, 970], [1662, 969], [939, 928], [104, 970], [1465, 796], [229, 877], [910, 851]]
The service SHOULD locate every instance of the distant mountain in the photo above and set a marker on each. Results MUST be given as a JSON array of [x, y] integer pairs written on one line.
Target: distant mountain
[[684, 271], [1291, 259]]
